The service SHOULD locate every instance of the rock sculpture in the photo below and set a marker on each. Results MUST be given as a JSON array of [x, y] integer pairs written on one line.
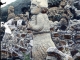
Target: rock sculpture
[[10, 13], [64, 21], [41, 28]]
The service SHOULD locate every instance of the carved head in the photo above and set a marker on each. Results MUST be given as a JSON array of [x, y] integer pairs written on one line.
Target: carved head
[[10, 9], [21, 16], [11, 12], [63, 21], [36, 6], [63, 3]]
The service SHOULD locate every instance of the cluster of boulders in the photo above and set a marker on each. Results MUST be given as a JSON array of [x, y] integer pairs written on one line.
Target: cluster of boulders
[[56, 12], [65, 33], [17, 40], [62, 34]]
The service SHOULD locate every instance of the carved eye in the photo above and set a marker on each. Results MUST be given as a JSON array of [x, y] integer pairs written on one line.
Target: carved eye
[[33, 5]]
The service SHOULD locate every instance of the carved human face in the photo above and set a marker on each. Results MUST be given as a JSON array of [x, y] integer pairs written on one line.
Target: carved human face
[[11, 8], [63, 21], [63, 3], [35, 8]]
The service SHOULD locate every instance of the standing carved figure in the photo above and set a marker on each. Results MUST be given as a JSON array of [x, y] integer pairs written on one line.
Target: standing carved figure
[[41, 29], [11, 13]]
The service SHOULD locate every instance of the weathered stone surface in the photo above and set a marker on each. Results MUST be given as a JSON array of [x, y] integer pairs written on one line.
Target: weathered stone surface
[[18, 5], [41, 30]]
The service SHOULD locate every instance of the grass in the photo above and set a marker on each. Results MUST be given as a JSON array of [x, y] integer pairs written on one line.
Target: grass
[[26, 57]]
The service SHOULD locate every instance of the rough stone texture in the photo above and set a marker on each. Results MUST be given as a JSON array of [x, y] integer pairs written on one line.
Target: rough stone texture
[[53, 3], [21, 40], [44, 39], [39, 49], [12, 15], [18, 5], [41, 26]]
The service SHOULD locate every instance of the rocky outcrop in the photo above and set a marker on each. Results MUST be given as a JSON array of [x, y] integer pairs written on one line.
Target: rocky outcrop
[[18, 5]]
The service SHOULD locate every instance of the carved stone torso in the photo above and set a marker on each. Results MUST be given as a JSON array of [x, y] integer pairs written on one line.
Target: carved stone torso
[[40, 23]]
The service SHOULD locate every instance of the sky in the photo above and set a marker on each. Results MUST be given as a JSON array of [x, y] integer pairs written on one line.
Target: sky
[[7, 2]]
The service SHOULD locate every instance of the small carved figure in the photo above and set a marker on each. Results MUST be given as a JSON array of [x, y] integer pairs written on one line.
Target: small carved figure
[[11, 13]]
